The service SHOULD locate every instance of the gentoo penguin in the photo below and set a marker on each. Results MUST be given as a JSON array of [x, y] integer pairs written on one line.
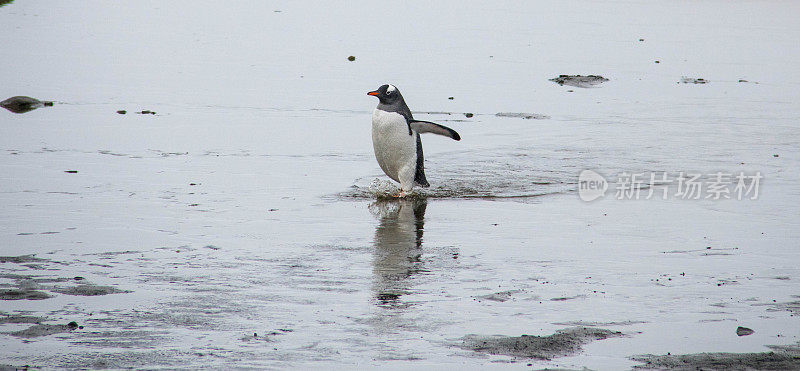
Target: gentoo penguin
[[395, 138]]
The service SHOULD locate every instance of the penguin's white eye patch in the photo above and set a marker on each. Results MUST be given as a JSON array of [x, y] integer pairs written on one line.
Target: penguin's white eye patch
[[390, 89]]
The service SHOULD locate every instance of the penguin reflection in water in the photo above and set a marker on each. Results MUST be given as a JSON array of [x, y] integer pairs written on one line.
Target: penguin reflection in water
[[395, 138], [398, 247]]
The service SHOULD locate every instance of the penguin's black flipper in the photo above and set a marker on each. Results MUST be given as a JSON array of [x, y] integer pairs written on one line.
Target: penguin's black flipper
[[430, 127], [419, 176]]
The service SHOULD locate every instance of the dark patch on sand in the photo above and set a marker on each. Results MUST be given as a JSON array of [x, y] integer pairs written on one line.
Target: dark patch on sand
[[23, 294], [579, 81], [22, 104], [563, 343], [791, 306], [785, 357], [596, 324], [523, 115], [257, 337], [44, 330], [21, 259], [692, 80], [126, 359], [498, 296], [705, 252], [565, 298], [388, 297], [13, 318], [89, 290]]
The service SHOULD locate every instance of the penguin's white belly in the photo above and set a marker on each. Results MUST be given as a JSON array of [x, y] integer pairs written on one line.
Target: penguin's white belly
[[395, 150]]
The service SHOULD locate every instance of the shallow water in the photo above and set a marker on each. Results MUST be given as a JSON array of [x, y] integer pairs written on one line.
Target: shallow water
[[240, 226]]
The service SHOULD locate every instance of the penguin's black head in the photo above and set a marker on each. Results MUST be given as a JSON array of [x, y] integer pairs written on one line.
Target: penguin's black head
[[387, 94]]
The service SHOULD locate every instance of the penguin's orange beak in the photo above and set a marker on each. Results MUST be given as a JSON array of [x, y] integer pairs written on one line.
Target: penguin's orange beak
[[375, 93]]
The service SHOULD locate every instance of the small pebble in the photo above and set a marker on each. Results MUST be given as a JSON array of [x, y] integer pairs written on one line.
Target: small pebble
[[468, 114], [71, 171], [351, 58], [775, 155], [641, 39], [658, 61], [122, 112], [451, 98]]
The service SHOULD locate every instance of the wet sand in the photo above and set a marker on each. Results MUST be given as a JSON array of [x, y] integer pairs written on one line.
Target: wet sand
[[240, 219]]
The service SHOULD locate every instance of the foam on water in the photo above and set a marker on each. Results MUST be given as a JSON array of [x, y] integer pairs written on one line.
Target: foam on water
[[504, 173]]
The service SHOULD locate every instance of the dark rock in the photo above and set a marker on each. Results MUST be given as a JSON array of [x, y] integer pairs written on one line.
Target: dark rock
[[22, 104], [388, 296], [692, 80], [451, 98], [351, 58], [469, 115], [122, 112], [579, 81], [744, 331], [71, 171]]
